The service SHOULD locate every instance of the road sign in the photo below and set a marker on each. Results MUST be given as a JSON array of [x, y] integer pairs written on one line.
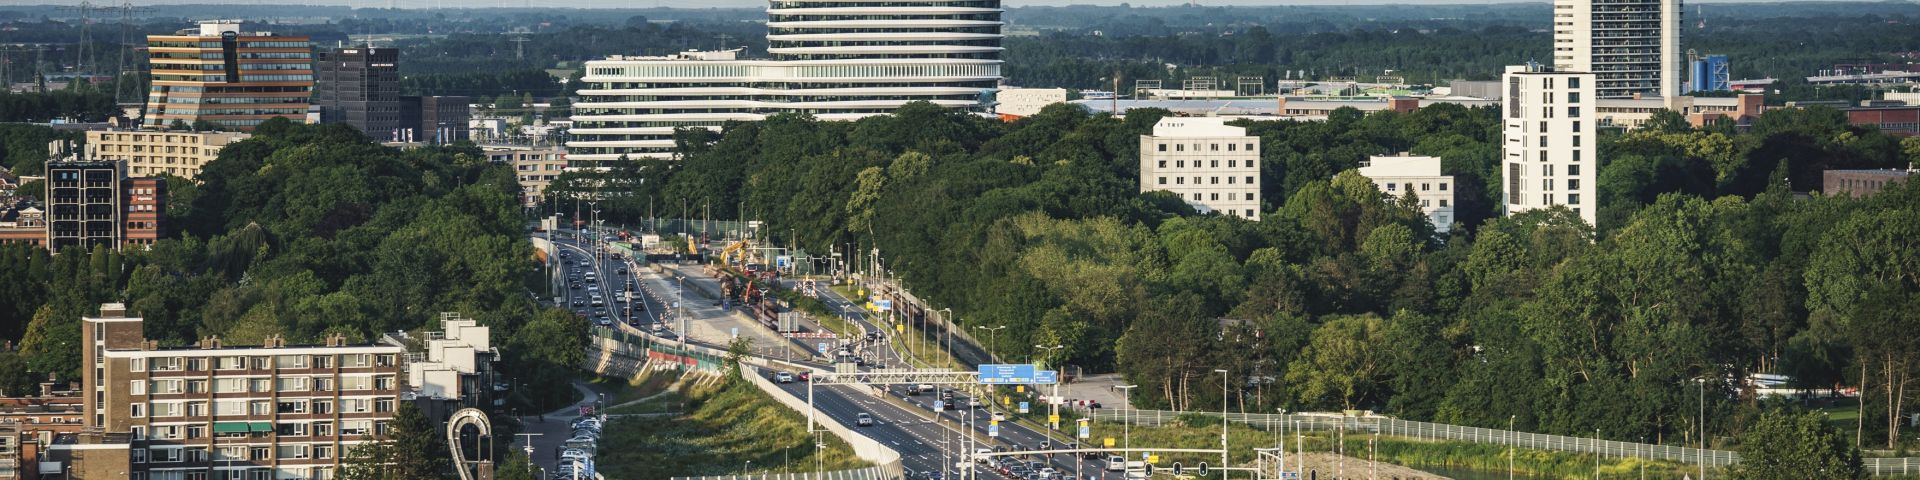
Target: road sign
[[1108, 443], [1006, 374], [939, 405], [883, 305], [1290, 475], [1086, 432], [1153, 459], [735, 331], [1055, 418], [1023, 407], [1046, 377], [993, 430], [822, 347]]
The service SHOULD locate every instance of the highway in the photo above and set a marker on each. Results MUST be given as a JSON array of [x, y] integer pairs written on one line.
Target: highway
[[902, 423]]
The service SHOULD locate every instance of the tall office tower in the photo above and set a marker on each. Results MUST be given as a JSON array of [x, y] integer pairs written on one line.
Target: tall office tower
[[231, 78], [84, 204], [831, 59], [1550, 157], [360, 86], [1631, 46], [1215, 167]]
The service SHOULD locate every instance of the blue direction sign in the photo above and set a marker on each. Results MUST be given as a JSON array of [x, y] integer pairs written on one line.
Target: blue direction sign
[[1046, 377], [1023, 407], [1006, 374], [822, 347], [939, 405], [884, 305], [993, 430], [1085, 431]]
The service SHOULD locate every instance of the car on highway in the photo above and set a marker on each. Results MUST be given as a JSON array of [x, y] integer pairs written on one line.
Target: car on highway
[[863, 420], [575, 286], [999, 417], [806, 376], [604, 321], [623, 271], [783, 377]]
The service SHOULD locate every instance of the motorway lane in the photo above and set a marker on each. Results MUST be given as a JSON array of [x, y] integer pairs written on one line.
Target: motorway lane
[[920, 442]]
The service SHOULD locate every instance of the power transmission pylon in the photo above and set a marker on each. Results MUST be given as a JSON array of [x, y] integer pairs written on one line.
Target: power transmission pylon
[[86, 29]]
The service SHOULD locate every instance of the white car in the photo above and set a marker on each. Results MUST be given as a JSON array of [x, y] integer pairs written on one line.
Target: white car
[[783, 377], [863, 420]]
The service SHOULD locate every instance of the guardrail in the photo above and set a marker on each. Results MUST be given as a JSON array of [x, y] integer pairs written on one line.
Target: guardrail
[[887, 465], [1440, 431]]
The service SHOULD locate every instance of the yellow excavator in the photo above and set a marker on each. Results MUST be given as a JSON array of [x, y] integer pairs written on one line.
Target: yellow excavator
[[737, 248]]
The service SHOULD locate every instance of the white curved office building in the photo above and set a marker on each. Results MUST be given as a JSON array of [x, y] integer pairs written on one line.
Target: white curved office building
[[834, 59]]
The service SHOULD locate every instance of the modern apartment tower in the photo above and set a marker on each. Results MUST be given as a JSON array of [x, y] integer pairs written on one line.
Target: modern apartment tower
[[231, 78], [360, 86], [1631, 46], [1549, 153], [83, 204], [834, 60]]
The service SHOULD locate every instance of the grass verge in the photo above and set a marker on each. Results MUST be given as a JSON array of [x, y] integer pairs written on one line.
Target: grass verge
[[1204, 432], [725, 430]]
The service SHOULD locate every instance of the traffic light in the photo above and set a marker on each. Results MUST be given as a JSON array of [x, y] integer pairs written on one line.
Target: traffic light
[[1149, 469], [1178, 469], [1203, 469]]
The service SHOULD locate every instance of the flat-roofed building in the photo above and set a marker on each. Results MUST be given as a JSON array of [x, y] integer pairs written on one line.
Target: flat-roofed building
[[1213, 166], [1860, 183], [1549, 141], [234, 79], [155, 153], [217, 411], [1398, 176]]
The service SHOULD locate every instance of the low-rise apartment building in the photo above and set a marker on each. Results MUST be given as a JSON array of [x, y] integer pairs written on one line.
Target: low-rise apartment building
[[155, 153], [533, 167], [1400, 175], [1213, 166], [213, 411]]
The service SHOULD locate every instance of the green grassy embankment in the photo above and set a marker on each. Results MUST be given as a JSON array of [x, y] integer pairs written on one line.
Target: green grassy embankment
[[722, 431], [1204, 432]]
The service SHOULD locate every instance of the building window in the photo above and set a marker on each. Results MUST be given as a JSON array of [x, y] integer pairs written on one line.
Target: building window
[[1425, 187], [1392, 187], [1180, 180], [1443, 186], [137, 387], [1249, 147], [1573, 112], [1249, 213], [1215, 197], [1443, 203], [1576, 126], [1215, 181], [1163, 147], [1163, 164], [1230, 147], [1163, 180], [1576, 140], [137, 410], [1573, 184], [1179, 147], [1180, 164], [1543, 126], [1249, 180], [1543, 141], [1213, 146], [1573, 199], [1573, 97]]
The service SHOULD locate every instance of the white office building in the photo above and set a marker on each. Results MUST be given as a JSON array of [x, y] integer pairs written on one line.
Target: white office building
[[1398, 175], [1631, 46], [1549, 153], [1016, 103], [1215, 167], [834, 59]]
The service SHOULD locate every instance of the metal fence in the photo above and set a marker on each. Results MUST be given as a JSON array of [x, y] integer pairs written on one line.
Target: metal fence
[[1438, 431], [882, 472]]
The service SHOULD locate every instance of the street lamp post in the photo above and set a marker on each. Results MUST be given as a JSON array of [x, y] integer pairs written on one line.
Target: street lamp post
[[1127, 431], [1224, 392], [1512, 444], [993, 342], [946, 318]]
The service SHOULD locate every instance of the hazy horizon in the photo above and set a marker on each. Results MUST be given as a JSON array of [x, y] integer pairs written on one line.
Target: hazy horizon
[[709, 4]]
